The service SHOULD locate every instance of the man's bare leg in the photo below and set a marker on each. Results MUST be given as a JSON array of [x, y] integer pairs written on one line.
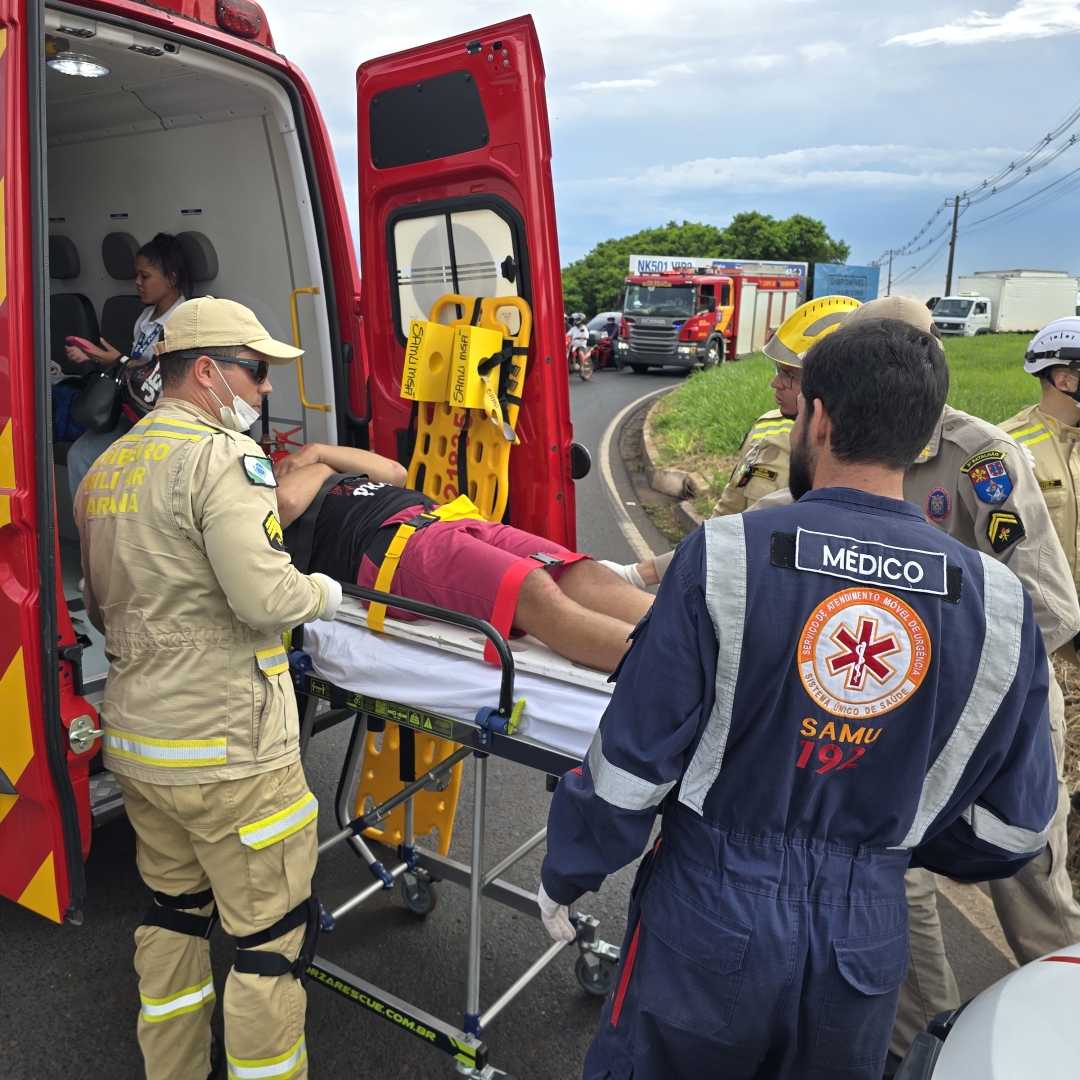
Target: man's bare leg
[[602, 590], [587, 637]]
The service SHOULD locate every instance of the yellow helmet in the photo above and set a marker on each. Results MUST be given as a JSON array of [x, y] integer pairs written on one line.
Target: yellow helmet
[[805, 325]]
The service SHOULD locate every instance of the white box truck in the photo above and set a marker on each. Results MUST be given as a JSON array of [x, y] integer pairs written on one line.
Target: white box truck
[[1004, 301]]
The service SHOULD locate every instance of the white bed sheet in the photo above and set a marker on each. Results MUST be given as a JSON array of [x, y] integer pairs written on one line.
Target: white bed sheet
[[558, 713]]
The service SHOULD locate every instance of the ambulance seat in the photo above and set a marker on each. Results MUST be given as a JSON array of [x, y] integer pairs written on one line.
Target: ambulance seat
[[71, 313], [200, 254], [119, 313]]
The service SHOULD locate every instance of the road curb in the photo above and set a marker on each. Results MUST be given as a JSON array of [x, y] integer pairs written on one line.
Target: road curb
[[630, 531]]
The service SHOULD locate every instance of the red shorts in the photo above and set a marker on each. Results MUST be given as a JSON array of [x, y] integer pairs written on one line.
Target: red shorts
[[458, 564]]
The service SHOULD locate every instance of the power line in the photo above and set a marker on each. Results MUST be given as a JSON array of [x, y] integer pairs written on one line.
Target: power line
[[1012, 174]]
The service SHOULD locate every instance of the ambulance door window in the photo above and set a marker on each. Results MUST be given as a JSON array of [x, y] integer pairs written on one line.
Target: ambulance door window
[[468, 252]]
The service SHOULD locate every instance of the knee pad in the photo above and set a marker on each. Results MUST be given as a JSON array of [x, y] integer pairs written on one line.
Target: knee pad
[[274, 964], [174, 913]]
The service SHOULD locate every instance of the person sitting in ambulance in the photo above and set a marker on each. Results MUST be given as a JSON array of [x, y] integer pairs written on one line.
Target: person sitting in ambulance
[[163, 282], [454, 559]]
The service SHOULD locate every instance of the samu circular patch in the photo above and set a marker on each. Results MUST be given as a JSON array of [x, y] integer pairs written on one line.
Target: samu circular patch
[[938, 504], [863, 652]]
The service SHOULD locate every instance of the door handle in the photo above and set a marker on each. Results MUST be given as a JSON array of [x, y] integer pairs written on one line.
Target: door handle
[[82, 733], [314, 290]]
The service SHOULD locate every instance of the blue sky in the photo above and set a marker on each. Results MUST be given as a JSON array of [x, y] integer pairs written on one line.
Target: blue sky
[[864, 115]]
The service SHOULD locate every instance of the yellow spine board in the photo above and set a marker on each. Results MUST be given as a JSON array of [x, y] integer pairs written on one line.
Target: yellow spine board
[[380, 778], [434, 468]]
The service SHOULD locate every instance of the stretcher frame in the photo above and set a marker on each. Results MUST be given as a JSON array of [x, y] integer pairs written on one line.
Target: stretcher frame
[[597, 960]]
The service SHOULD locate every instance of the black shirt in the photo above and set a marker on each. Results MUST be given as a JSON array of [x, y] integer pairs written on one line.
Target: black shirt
[[352, 512]]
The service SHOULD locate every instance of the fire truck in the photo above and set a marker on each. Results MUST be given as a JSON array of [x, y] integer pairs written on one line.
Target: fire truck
[[694, 311], [121, 119]]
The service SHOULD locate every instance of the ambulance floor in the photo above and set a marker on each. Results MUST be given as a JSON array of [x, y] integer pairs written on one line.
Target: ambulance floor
[[94, 664]]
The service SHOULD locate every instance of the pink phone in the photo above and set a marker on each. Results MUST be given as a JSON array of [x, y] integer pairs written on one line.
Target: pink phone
[[81, 343]]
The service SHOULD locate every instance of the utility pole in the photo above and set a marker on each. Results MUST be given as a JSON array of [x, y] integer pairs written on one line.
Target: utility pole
[[888, 287], [952, 246]]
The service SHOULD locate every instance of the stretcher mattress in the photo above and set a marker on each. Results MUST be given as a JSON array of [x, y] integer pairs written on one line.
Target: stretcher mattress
[[439, 668]]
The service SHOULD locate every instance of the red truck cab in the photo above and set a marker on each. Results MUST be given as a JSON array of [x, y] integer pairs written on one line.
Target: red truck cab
[[121, 120]]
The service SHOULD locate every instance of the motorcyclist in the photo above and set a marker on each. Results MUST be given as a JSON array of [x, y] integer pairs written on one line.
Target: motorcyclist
[[579, 345]]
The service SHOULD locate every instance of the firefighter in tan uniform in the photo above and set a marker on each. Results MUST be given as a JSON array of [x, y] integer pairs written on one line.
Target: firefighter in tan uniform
[[762, 466], [187, 576]]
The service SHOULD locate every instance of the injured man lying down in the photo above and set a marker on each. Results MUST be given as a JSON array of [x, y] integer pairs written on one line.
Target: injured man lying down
[[356, 506]]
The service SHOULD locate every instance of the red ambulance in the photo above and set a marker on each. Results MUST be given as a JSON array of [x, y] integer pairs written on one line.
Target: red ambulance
[[122, 119]]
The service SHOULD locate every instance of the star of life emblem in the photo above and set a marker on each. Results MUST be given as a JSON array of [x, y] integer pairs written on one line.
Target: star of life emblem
[[863, 652]]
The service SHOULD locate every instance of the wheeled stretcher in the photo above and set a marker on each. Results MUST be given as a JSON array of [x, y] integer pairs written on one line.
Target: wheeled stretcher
[[428, 680]]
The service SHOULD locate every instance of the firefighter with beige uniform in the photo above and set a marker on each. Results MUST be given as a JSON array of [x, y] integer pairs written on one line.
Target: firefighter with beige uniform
[[187, 576]]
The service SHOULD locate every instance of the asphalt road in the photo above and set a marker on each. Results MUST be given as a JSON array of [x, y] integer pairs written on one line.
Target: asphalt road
[[70, 998]]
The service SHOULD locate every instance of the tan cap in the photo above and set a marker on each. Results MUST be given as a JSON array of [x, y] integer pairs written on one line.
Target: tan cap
[[894, 307], [206, 322]]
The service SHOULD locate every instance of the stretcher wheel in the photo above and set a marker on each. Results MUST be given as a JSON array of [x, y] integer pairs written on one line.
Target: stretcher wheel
[[420, 896], [595, 979]]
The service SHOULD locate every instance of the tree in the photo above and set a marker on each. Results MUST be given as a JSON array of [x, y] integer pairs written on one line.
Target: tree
[[592, 284]]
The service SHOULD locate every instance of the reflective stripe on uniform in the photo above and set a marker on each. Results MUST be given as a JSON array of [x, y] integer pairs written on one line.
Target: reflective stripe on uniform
[[1003, 609], [725, 596], [280, 1068], [272, 661], [191, 999], [269, 830], [771, 427], [989, 827], [619, 787], [1032, 435], [171, 753]]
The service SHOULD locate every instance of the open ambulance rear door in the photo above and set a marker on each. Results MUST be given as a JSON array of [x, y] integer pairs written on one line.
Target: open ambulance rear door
[[456, 197], [44, 800]]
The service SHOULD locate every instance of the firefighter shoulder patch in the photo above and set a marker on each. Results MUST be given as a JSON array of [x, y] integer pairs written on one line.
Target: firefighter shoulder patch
[[259, 470], [1004, 529], [272, 528], [988, 475]]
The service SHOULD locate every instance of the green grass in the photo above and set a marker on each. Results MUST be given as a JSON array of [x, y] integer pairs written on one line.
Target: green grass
[[706, 419]]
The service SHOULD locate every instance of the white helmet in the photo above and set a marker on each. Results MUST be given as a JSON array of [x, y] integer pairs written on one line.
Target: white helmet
[[1056, 345]]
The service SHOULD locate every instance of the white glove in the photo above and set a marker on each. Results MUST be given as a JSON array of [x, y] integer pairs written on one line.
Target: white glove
[[555, 917], [1029, 455], [629, 572], [333, 594]]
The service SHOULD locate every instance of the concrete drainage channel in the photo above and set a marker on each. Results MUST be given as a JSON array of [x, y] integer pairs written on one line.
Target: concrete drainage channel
[[630, 432]]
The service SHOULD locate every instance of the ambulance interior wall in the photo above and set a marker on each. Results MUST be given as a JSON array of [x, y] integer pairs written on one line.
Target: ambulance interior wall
[[236, 175]]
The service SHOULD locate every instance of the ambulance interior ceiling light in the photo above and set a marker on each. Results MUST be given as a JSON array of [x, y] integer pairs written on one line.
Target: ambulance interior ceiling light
[[72, 63]]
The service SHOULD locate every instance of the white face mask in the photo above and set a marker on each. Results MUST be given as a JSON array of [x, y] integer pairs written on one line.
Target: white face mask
[[241, 416]]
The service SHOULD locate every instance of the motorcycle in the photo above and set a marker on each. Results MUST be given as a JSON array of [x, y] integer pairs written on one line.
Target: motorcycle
[[603, 353]]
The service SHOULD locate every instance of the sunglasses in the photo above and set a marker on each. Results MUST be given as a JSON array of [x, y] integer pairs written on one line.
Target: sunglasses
[[259, 368], [787, 373]]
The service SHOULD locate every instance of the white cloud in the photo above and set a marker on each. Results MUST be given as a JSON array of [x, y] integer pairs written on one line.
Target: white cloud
[[617, 84], [755, 61], [1028, 19], [822, 50], [887, 169]]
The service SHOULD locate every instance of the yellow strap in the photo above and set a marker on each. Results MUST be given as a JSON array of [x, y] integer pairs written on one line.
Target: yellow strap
[[377, 612], [462, 508]]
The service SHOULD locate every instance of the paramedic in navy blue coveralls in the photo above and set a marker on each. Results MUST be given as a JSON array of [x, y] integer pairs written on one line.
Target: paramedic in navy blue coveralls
[[822, 694]]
